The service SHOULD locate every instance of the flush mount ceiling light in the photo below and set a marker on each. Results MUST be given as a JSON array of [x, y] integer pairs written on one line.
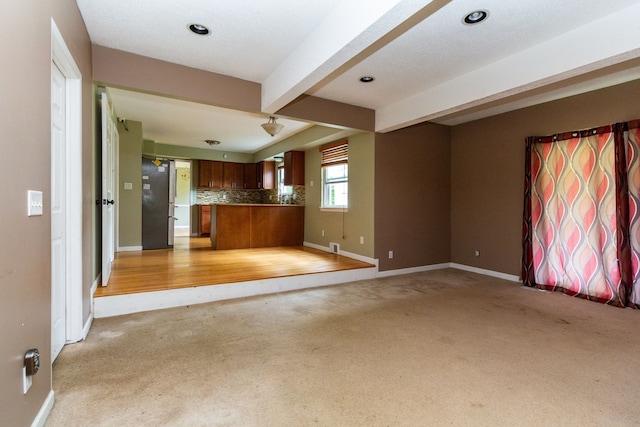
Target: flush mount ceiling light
[[199, 29], [367, 79], [475, 17], [272, 127], [212, 142]]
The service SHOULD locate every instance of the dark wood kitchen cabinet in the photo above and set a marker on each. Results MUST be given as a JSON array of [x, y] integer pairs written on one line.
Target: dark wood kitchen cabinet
[[250, 176], [204, 219], [294, 168], [227, 175], [238, 176], [204, 173], [209, 174], [232, 175], [256, 226], [266, 172]]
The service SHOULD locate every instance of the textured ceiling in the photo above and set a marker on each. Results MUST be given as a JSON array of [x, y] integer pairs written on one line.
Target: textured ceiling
[[428, 65], [177, 122]]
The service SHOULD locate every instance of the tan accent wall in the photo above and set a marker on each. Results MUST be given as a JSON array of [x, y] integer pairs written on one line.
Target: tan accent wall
[[130, 170], [487, 170], [412, 203], [117, 68], [126, 70], [343, 228], [25, 261]]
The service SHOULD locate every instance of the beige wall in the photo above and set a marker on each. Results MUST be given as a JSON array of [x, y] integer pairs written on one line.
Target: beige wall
[[344, 229], [113, 67], [412, 189], [25, 273], [130, 170], [487, 170]]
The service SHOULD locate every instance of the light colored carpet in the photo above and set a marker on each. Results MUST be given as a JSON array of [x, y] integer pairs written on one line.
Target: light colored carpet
[[429, 349]]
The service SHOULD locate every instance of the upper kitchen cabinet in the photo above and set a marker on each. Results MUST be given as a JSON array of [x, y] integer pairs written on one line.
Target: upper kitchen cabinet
[[238, 176], [251, 176], [233, 175], [227, 175], [209, 174], [266, 172], [294, 168]]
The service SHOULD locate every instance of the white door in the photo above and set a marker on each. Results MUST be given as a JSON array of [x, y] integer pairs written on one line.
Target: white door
[[109, 144], [58, 212]]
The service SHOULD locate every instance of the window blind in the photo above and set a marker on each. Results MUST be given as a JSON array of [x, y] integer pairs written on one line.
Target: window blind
[[335, 154]]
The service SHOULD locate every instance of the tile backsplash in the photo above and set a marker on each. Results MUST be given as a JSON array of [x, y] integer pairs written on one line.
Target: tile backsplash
[[207, 196]]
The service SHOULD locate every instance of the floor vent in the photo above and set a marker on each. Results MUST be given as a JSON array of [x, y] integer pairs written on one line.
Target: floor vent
[[335, 248]]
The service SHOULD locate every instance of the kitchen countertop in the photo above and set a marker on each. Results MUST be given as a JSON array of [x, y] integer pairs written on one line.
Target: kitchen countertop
[[252, 204]]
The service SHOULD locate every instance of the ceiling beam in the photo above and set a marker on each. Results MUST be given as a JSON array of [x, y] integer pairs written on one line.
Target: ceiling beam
[[612, 40], [350, 31]]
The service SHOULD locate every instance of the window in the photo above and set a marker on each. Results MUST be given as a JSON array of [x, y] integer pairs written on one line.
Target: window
[[335, 175], [283, 189]]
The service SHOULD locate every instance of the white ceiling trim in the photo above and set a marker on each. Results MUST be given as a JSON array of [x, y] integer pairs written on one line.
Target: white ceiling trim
[[552, 95], [351, 28], [611, 40]]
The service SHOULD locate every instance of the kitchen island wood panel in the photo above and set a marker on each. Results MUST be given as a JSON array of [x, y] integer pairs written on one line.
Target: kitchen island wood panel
[[230, 226], [256, 226]]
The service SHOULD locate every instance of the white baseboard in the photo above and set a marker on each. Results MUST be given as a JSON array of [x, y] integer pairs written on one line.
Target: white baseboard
[[134, 303], [490, 273], [44, 411], [87, 324], [318, 247], [129, 248], [412, 270], [343, 253], [94, 285], [482, 271]]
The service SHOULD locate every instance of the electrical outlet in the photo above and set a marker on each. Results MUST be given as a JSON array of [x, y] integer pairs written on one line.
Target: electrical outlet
[[477, 252], [322, 233], [390, 254], [362, 240]]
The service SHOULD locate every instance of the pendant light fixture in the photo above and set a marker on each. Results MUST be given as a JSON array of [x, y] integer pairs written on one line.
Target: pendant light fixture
[[271, 127]]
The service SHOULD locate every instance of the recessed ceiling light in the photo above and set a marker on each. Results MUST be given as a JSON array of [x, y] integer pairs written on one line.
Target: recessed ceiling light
[[199, 29], [367, 79], [475, 17]]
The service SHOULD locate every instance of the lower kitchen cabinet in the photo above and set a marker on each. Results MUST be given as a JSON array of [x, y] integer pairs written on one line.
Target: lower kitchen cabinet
[[204, 220], [256, 226]]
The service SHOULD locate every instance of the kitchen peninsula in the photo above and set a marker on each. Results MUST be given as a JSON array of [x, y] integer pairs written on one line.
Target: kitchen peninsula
[[241, 226]]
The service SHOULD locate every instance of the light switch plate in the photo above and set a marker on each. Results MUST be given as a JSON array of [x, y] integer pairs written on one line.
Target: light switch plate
[[128, 186], [34, 203]]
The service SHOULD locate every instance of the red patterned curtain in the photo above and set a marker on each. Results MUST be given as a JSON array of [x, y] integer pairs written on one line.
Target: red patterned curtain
[[633, 169], [581, 230]]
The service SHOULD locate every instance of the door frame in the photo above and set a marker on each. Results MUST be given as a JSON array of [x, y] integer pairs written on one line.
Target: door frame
[[61, 56]]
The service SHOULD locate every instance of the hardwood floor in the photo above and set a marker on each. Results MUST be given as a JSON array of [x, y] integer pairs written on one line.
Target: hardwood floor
[[192, 262]]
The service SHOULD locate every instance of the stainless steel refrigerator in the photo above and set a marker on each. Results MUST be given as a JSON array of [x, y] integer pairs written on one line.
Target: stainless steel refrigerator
[[158, 197]]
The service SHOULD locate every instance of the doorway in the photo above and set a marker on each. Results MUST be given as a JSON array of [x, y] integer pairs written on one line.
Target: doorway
[[67, 323], [183, 199]]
